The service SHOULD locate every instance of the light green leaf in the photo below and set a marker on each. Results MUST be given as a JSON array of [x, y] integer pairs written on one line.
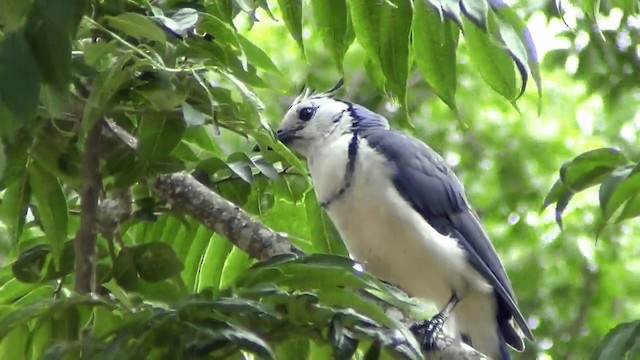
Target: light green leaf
[[324, 235], [292, 15], [213, 262], [618, 189], [192, 116], [195, 257], [491, 60], [256, 56], [52, 208], [334, 25], [13, 345], [591, 167], [223, 32], [516, 26], [137, 26], [435, 51]]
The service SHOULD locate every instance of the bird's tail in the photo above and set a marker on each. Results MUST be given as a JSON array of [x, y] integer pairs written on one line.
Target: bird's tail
[[504, 348]]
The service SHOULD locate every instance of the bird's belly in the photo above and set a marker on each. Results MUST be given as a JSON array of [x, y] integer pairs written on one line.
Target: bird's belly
[[394, 243]]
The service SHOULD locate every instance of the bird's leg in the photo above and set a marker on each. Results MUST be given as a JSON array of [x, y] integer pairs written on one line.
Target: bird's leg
[[427, 330]]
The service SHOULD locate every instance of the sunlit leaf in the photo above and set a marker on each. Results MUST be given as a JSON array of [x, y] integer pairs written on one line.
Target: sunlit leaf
[[435, 51], [325, 236], [15, 204], [292, 15], [334, 25], [590, 168], [491, 60]]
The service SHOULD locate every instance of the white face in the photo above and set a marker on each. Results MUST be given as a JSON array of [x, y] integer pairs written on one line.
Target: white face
[[308, 123]]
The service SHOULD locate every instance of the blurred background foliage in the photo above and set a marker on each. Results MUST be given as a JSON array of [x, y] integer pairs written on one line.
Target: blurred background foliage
[[572, 288]]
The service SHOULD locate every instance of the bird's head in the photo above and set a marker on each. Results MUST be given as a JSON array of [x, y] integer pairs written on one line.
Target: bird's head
[[314, 118]]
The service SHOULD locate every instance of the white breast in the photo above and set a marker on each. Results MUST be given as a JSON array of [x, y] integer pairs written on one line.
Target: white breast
[[382, 231]]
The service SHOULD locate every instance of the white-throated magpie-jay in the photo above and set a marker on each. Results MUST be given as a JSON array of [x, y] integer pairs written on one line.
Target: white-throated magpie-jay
[[404, 215]]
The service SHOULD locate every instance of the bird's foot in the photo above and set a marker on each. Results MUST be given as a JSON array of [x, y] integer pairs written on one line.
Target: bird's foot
[[427, 331]]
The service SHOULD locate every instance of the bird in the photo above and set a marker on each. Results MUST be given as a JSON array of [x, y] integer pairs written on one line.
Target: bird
[[404, 216]]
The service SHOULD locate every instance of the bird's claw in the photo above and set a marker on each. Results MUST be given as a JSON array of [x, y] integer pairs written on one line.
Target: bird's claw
[[427, 331]]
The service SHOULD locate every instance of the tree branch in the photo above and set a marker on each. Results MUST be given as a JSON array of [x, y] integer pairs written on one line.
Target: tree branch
[[85, 241]]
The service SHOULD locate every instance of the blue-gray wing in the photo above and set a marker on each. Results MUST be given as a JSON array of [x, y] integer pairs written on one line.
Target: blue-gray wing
[[423, 179]]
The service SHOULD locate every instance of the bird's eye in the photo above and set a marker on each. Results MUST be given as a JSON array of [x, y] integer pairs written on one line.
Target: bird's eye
[[306, 113]]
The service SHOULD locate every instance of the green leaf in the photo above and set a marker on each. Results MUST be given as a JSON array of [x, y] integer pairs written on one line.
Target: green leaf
[[14, 206], [292, 15], [137, 26], [50, 27], [560, 194], [13, 345], [223, 32], [383, 30], [52, 208], [294, 349], [492, 61], [28, 266], [256, 56], [334, 25], [124, 270], [19, 83], [477, 11], [195, 257], [105, 89], [324, 235], [630, 210], [192, 116], [210, 272], [618, 342], [590, 168], [156, 261], [622, 185], [344, 346], [517, 25], [241, 338], [435, 51], [15, 289], [158, 134]]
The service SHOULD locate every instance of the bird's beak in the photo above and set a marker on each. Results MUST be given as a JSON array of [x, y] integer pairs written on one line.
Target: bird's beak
[[286, 136]]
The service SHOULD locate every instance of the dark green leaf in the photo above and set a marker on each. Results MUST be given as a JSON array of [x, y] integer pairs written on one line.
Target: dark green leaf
[[52, 208], [492, 61], [477, 11], [124, 270], [14, 206], [158, 134], [137, 26], [235, 190], [239, 163], [236, 336], [590, 168], [156, 261], [28, 266], [292, 15], [50, 27], [294, 349], [334, 25], [618, 342], [435, 51], [19, 83]]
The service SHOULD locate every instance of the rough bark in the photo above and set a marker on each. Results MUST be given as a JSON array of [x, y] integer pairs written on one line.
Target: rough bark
[[85, 241]]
